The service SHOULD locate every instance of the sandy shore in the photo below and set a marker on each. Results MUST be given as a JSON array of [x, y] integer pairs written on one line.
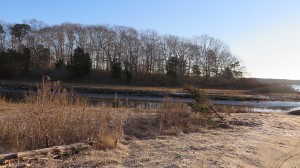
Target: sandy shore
[[256, 140]]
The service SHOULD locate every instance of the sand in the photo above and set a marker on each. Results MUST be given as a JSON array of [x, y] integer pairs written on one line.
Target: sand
[[256, 140]]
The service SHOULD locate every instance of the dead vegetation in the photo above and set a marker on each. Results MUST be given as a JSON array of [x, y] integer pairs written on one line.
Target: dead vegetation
[[175, 118], [53, 116]]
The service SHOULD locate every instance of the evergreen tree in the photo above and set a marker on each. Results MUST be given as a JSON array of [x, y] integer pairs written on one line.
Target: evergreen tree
[[2, 38], [19, 31], [173, 67], [14, 64], [25, 59], [116, 69], [228, 74], [80, 63], [127, 71], [41, 58]]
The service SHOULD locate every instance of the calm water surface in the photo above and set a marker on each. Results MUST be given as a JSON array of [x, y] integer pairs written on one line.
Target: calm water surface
[[157, 102]]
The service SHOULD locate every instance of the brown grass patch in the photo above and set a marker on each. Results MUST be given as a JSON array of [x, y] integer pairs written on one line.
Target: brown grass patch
[[177, 117], [53, 116], [172, 119]]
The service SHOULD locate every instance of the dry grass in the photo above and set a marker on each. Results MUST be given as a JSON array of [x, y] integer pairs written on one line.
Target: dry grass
[[53, 117], [2, 100], [172, 119], [274, 89], [178, 117]]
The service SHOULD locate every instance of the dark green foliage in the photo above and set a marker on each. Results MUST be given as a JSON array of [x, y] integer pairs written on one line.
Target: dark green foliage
[[13, 63], [116, 69], [128, 75], [41, 58], [175, 67], [19, 31], [127, 71], [201, 105], [26, 59], [123, 53], [236, 69], [80, 63], [228, 74], [2, 37], [59, 64], [60, 72], [1, 29]]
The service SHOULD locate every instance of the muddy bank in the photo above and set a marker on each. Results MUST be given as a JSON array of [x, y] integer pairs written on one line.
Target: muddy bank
[[216, 94]]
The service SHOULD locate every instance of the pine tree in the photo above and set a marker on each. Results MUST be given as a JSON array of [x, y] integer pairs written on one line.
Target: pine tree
[[80, 63], [116, 69]]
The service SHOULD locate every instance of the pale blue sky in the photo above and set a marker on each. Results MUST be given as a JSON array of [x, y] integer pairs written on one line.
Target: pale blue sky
[[265, 34]]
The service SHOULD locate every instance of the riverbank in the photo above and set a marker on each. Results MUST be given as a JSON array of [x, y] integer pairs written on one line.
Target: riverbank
[[255, 140], [17, 87]]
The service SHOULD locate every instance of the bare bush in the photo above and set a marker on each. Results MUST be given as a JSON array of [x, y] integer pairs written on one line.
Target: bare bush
[[177, 117], [53, 117]]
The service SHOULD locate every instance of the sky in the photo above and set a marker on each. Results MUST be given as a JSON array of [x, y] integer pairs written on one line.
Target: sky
[[264, 34]]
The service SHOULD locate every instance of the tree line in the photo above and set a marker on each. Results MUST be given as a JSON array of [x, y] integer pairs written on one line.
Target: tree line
[[121, 52]]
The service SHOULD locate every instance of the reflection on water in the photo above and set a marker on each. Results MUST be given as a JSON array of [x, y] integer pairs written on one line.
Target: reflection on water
[[296, 87], [145, 102], [237, 108], [232, 106], [259, 106]]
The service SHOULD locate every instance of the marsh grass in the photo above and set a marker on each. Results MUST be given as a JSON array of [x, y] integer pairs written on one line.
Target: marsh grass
[[274, 88], [172, 119], [178, 117], [53, 116]]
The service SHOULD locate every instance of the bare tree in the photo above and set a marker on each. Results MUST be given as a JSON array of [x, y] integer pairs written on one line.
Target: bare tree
[[137, 52], [2, 38], [132, 49]]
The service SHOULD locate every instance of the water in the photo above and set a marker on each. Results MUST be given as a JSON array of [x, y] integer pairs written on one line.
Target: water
[[232, 105], [296, 87], [157, 102]]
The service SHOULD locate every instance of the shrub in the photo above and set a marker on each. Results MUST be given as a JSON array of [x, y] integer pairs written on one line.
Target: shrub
[[177, 117], [204, 107], [53, 116]]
